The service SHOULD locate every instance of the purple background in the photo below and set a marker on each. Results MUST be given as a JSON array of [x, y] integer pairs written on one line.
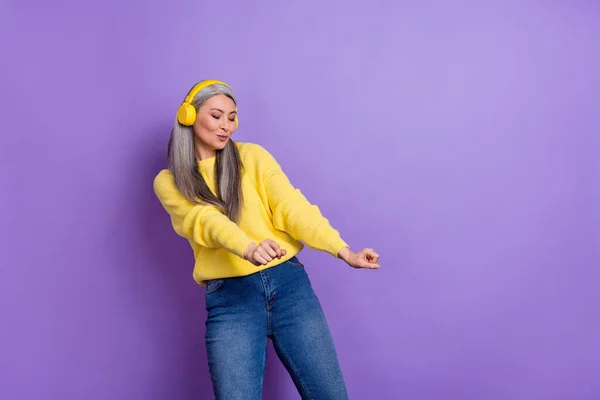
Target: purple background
[[460, 141]]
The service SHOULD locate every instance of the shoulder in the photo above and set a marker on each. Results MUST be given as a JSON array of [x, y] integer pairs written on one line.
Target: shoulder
[[248, 149], [253, 152], [164, 182], [163, 176]]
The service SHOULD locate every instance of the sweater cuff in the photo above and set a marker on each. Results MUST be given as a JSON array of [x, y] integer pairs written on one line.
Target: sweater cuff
[[239, 247], [335, 246]]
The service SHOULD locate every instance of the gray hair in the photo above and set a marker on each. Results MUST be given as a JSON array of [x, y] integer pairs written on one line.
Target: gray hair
[[183, 164]]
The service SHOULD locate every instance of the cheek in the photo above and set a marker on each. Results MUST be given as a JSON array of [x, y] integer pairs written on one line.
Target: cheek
[[210, 124], [206, 126]]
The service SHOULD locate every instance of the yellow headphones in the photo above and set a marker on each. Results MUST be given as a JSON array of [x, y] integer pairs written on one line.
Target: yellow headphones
[[186, 114]]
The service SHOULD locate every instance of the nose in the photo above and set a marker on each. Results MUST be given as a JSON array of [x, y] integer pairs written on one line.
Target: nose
[[224, 125]]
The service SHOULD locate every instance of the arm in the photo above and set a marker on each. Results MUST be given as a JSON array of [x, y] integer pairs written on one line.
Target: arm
[[292, 212], [203, 224]]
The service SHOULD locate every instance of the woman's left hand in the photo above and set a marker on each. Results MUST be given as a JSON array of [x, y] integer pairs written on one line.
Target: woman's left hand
[[366, 258]]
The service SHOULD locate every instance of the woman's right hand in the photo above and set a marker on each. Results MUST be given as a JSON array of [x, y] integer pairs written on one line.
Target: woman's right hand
[[263, 253]]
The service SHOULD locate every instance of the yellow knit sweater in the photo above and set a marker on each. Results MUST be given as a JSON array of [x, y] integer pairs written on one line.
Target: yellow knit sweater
[[272, 209]]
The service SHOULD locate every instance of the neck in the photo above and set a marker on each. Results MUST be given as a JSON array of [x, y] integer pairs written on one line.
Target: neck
[[202, 152]]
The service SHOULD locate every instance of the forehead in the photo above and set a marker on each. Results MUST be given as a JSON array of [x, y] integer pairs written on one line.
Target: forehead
[[221, 102]]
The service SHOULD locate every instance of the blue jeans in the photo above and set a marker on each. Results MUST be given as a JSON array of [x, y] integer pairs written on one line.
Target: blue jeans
[[277, 303]]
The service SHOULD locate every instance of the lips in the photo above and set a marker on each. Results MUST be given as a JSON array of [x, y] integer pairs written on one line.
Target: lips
[[222, 137]]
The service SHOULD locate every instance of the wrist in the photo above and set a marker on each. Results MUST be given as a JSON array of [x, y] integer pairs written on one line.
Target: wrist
[[345, 253], [249, 250]]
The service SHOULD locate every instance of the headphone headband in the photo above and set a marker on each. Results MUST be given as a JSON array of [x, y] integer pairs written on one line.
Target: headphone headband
[[201, 85]]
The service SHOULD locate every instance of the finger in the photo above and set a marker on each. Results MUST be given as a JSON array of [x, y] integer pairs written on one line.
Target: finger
[[263, 253], [283, 252], [271, 248], [374, 257], [254, 261], [260, 259], [371, 255], [275, 247], [369, 265]]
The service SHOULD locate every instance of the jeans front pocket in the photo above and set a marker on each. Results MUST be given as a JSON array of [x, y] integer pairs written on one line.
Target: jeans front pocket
[[294, 262], [213, 285]]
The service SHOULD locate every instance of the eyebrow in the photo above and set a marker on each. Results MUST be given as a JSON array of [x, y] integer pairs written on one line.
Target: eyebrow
[[218, 109]]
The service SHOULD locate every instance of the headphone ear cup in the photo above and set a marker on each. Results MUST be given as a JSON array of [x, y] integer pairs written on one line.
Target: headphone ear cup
[[186, 114], [237, 122]]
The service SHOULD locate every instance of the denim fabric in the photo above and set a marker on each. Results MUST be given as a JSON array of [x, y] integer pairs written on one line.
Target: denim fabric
[[280, 304]]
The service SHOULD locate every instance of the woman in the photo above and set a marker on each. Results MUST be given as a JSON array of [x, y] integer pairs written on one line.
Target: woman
[[245, 223]]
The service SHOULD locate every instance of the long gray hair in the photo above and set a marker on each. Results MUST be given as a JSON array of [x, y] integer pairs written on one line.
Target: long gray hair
[[183, 164]]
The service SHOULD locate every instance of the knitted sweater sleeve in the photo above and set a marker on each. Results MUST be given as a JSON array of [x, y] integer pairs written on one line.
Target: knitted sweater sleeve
[[292, 212], [203, 224]]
